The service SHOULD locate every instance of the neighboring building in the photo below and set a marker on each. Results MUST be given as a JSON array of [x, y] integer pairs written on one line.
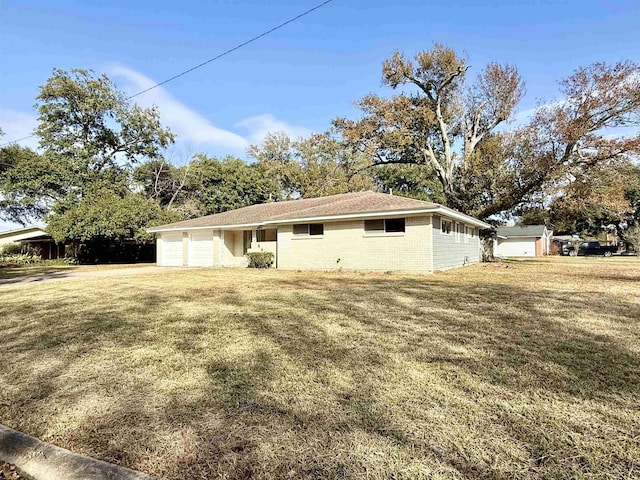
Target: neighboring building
[[355, 231], [36, 239], [15, 236], [522, 241], [564, 244]]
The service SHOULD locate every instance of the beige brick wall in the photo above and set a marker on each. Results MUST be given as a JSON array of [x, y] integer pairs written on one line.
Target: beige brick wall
[[233, 254], [345, 245]]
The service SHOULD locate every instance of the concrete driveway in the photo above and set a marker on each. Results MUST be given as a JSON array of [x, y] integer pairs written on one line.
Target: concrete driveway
[[71, 274]]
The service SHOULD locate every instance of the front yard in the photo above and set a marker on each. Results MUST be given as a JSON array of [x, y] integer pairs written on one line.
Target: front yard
[[523, 369]]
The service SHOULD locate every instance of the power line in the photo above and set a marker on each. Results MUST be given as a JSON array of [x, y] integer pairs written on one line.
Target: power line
[[237, 47], [223, 54], [17, 140]]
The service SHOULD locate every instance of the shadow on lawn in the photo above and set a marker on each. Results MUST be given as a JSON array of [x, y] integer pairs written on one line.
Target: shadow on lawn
[[508, 338], [14, 275]]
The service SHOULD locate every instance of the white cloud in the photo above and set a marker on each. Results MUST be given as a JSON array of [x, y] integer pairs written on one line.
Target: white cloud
[[259, 126], [193, 130], [17, 125], [187, 124], [191, 127]]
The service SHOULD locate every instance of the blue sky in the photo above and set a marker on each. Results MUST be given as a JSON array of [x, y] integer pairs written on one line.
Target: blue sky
[[300, 77]]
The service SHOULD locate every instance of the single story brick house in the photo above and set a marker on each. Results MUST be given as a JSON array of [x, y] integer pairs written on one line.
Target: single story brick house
[[522, 241], [355, 231]]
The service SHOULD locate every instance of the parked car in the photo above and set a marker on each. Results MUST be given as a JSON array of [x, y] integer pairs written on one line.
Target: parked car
[[594, 248]]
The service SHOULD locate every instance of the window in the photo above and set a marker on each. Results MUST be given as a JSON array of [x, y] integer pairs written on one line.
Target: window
[[268, 235], [374, 225], [394, 225], [466, 234], [389, 225], [301, 229], [445, 226], [457, 232], [316, 229], [308, 229]]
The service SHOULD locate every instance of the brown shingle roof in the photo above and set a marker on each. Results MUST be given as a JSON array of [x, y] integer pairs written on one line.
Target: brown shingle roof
[[342, 204]]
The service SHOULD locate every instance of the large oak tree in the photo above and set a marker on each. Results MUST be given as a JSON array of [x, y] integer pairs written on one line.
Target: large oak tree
[[90, 135], [455, 127]]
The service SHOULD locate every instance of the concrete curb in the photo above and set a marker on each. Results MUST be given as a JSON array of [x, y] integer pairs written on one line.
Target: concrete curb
[[43, 461]]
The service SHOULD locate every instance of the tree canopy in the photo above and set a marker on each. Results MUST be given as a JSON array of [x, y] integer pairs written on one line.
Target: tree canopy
[[80, 179], [455, 129]]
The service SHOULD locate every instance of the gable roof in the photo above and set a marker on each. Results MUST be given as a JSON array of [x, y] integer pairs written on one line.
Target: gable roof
[[522, 231], [326, 208]]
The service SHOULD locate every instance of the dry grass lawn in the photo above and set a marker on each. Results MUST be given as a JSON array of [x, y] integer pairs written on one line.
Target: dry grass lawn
[[511, 370], [42, 269]]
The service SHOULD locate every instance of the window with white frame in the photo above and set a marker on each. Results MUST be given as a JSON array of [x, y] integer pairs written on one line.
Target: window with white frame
[[457, 232], [446, 226]]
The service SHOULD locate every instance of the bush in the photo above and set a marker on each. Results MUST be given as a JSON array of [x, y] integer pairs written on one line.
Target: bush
[[260, 259], [10, 249], [19, 260]]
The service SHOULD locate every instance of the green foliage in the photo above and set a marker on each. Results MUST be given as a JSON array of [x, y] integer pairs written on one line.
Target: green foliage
[[90, 136], [12, 248], [534, 216], [88, 122], [632, 237], [632, 195], [222, 185], [601, 196], [28, 183], [413, 181], [315, 166], [260, 259], [15, 260], [101, 213], [160, 180]]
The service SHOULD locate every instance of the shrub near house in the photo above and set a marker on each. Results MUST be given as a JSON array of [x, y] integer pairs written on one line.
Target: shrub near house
[[260, 259]]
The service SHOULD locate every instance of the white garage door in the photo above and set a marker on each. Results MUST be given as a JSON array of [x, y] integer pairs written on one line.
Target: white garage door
[[516, 247], [201, 249], [171, 250]]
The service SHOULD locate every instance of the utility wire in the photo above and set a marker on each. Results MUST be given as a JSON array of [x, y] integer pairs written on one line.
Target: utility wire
[[17, 140], [237, 47], [223, 54]]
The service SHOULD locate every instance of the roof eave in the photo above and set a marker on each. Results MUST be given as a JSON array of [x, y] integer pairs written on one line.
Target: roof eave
[[162, 228], [461, 216], [393, 213], [18, 231]]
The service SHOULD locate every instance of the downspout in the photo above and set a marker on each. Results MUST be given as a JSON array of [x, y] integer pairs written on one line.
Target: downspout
[[431, 234]]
